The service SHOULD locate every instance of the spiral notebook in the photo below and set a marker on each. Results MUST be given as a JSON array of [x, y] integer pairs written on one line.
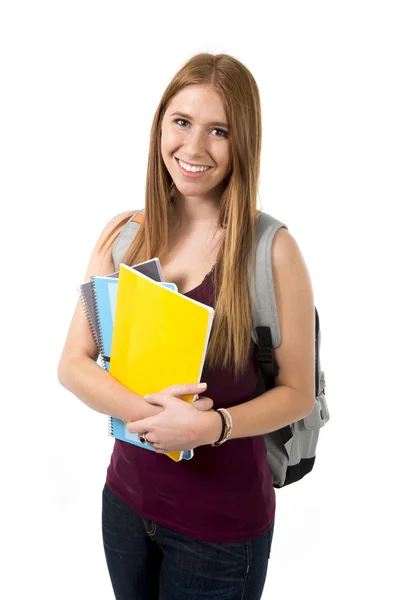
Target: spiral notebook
[[104, 294], [161, 343], [151, 268], [99, 328]]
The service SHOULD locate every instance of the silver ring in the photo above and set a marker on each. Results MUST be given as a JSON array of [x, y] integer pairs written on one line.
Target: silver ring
[[143, 439]]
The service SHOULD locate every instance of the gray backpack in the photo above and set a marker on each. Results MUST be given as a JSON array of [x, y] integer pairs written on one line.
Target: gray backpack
[[290, 450]]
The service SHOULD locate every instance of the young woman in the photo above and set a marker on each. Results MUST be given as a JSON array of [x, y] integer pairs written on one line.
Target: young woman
[[201, 528]]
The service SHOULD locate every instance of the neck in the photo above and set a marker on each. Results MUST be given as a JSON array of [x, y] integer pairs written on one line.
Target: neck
[[195, 211]]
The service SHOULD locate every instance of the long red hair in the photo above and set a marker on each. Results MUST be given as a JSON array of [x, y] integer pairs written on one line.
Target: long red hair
[[230, 339]]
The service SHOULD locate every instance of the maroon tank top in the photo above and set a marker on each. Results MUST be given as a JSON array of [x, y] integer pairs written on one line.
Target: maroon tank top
[[224, 493]]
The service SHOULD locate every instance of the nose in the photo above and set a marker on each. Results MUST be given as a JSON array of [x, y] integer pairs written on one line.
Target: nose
[[194, 145]]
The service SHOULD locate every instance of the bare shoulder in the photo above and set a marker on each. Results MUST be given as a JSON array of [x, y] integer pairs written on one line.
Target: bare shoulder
[[114, 221], [122, 217], [296, 314], [290, 272], [285, 247], [79, 340], [101, 263]]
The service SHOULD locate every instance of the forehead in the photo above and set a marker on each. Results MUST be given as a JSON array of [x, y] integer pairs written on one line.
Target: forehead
[[202, 102]]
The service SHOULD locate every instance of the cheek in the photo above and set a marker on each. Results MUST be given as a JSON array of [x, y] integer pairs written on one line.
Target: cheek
[[222, 156], [171, 139]]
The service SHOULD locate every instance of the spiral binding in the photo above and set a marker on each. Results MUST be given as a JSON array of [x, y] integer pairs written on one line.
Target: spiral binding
[[98, 325], [110, 426], [87, 315]]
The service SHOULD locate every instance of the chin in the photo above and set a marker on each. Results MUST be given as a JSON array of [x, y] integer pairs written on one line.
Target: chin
[[192, 190]]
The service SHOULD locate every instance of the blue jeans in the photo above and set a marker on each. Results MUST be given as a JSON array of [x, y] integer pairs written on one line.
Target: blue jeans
[[147, 561]]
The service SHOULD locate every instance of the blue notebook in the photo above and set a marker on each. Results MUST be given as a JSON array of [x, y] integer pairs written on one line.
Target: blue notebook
[[105, 294]]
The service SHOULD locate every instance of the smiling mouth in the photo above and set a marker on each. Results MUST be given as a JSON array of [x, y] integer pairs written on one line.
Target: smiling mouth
[[192, 165]]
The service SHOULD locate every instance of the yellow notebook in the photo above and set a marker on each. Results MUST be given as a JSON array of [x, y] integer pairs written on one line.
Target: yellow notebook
[[160, 337]]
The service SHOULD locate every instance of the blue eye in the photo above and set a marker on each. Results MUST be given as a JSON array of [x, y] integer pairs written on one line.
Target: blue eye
[[222, 132]]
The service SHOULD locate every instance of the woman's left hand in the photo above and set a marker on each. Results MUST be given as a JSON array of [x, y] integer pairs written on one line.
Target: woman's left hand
[[179, 426]]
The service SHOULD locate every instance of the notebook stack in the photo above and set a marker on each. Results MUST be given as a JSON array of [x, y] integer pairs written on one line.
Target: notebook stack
[[148, 335]]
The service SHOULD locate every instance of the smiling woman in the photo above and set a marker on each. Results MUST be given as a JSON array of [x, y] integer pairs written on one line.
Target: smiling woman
[[192, 146], [202, 527]]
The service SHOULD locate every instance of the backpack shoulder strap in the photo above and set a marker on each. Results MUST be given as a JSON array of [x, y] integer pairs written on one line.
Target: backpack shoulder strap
[[125, 237], [261, 289]]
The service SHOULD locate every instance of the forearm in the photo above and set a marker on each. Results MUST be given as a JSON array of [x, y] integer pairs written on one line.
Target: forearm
[[96, 388], [273, 410]]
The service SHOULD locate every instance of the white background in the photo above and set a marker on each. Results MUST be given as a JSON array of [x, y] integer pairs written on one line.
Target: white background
[[80, 82]]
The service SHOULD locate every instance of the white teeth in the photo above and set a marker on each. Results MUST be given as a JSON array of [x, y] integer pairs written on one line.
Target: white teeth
[[192, 169]]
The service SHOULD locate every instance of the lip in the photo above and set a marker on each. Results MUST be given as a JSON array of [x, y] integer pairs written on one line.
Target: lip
[[191, 175], [192, 164]]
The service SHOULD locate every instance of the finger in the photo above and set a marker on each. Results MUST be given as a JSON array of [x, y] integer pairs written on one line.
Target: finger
[[150, 442], [149, 438], [186, 389], [156, 399], [203, 403], [139, 426], [157, 447], [166, 396]]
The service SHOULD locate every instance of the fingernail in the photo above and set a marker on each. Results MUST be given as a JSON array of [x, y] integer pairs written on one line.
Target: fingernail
[[201, 386], [146, 396]]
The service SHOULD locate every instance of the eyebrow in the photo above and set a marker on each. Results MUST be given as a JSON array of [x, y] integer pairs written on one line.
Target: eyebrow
[[185, 116]]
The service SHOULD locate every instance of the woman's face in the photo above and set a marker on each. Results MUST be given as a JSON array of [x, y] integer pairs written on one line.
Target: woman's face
[[195, 131]]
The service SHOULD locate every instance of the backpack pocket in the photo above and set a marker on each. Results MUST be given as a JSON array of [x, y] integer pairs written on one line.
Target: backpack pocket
[[320, 413], [289, 460]]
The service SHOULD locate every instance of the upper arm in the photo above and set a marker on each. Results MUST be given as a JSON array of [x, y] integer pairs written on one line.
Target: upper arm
[[79, 341], [296, 314]]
